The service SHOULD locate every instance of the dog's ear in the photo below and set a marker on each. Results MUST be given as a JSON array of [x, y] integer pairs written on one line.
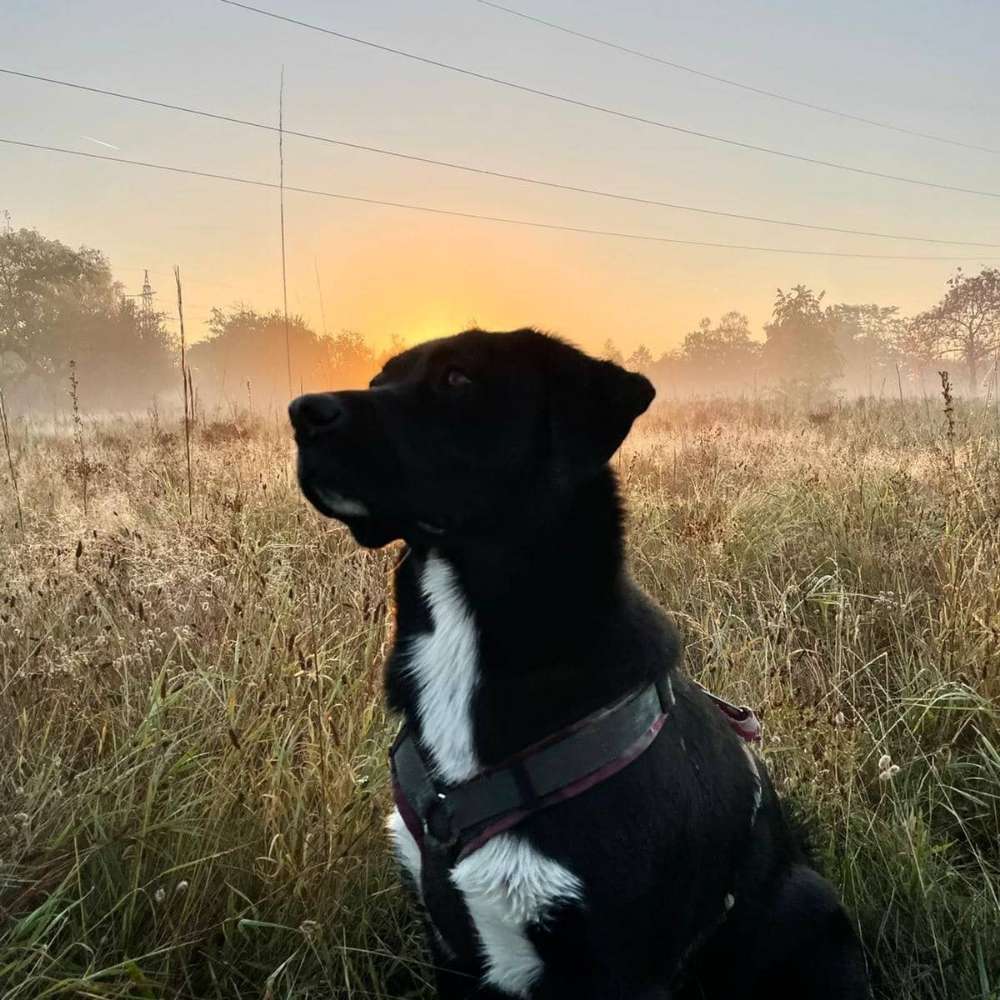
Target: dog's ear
[[592, 406]]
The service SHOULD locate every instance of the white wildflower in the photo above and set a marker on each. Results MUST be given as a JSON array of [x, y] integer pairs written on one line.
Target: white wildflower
[[886, 769]]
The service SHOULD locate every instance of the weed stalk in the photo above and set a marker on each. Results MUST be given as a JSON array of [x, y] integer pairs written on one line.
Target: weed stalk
[[74, 395], [188, 396]]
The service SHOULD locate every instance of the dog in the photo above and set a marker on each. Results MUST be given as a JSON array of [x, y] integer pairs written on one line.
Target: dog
[[666, 872]]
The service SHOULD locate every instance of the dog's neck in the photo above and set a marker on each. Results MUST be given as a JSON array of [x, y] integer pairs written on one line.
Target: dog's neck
[[515, 638], [567, 563]]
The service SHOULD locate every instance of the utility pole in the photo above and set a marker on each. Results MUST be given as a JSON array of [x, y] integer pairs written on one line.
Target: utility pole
[[147, 303], [319, 288]]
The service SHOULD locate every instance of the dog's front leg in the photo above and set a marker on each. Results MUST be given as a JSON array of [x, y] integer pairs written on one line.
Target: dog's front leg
[[455, 979], [596, 988], [458, 986]]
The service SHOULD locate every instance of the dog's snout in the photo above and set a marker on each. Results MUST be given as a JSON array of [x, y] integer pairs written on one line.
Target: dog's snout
[[317, 411]]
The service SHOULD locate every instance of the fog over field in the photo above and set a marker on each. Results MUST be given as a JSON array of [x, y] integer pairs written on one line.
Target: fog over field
[[60, 306]]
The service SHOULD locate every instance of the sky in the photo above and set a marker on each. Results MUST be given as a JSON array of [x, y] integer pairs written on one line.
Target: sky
[[922, 65]]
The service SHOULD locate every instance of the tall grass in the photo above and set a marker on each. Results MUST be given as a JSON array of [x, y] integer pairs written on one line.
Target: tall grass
[[11, 467], [192, 734]]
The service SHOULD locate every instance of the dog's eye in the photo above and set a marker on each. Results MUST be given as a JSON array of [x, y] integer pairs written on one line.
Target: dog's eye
[[455, 378]]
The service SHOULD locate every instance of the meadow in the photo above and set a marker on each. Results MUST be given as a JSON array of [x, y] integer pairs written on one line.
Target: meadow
[[192, 737]]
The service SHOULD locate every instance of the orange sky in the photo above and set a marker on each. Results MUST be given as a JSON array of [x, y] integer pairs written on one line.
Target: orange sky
[[386, 271]]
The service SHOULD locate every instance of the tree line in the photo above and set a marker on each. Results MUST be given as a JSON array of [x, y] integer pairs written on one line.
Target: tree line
[[59, 304], [810, 350]]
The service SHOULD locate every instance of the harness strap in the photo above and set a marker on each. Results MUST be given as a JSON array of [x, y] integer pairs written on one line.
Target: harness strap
[[458, 819]]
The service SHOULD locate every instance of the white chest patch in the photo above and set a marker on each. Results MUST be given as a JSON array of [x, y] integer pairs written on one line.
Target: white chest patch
[[444, 665], [508, 885]]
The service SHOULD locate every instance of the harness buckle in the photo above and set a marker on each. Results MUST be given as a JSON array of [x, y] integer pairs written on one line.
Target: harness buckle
[[439, 823]]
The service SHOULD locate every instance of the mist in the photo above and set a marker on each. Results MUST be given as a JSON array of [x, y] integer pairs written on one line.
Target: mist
[[60, 305]]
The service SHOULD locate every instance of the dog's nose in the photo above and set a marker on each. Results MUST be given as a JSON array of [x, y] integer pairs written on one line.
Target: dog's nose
[[316, 411]]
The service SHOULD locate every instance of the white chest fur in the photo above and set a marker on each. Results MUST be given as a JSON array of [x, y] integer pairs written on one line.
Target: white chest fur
[[444, 666], [507, 884]]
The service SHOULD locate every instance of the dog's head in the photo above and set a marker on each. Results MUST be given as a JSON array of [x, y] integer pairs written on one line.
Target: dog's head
[[461, 437]]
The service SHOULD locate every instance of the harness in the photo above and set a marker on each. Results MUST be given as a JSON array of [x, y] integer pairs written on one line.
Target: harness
[[455, 820]]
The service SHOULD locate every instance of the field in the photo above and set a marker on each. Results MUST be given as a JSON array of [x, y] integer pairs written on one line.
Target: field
[[192, 740]]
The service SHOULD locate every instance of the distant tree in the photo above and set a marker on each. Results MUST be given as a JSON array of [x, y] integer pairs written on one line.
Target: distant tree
[[667, 374], [395, 346], [610, 352], [58, 304], [45, 287], [918, 345], [244, 344], [640, 360], [721, 358], [965, 324], [124, 356], [350, 362], [867, 337], [800, 352]]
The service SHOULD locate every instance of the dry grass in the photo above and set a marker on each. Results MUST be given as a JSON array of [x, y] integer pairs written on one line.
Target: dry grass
[[192, 736]]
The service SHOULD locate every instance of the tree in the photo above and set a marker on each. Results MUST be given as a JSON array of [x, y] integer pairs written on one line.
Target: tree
[[918, 346], [245, 345], [124, 356], [867, 337], [965, 324], [610, 352], [800, 352], [58, 304], [640, 360], [44, 288], [723, 357], [350, 362], [395, 346]]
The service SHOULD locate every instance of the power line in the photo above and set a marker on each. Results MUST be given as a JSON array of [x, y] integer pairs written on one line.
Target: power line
[[488, 172], [454, 213], [611, 112], [760, 91]]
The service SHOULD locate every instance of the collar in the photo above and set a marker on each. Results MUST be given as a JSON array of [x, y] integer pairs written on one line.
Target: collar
[[459, 819]]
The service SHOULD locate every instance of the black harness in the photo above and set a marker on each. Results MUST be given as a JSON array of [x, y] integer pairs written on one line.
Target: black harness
[[455, 820]]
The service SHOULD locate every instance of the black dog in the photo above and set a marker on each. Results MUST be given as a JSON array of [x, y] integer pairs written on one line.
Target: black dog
[[673, 875]]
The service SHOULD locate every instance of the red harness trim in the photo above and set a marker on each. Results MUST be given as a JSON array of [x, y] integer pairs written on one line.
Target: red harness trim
[[742, 719]]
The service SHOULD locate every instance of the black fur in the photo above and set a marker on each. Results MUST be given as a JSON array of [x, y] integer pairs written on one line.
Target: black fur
[[492, 449]]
